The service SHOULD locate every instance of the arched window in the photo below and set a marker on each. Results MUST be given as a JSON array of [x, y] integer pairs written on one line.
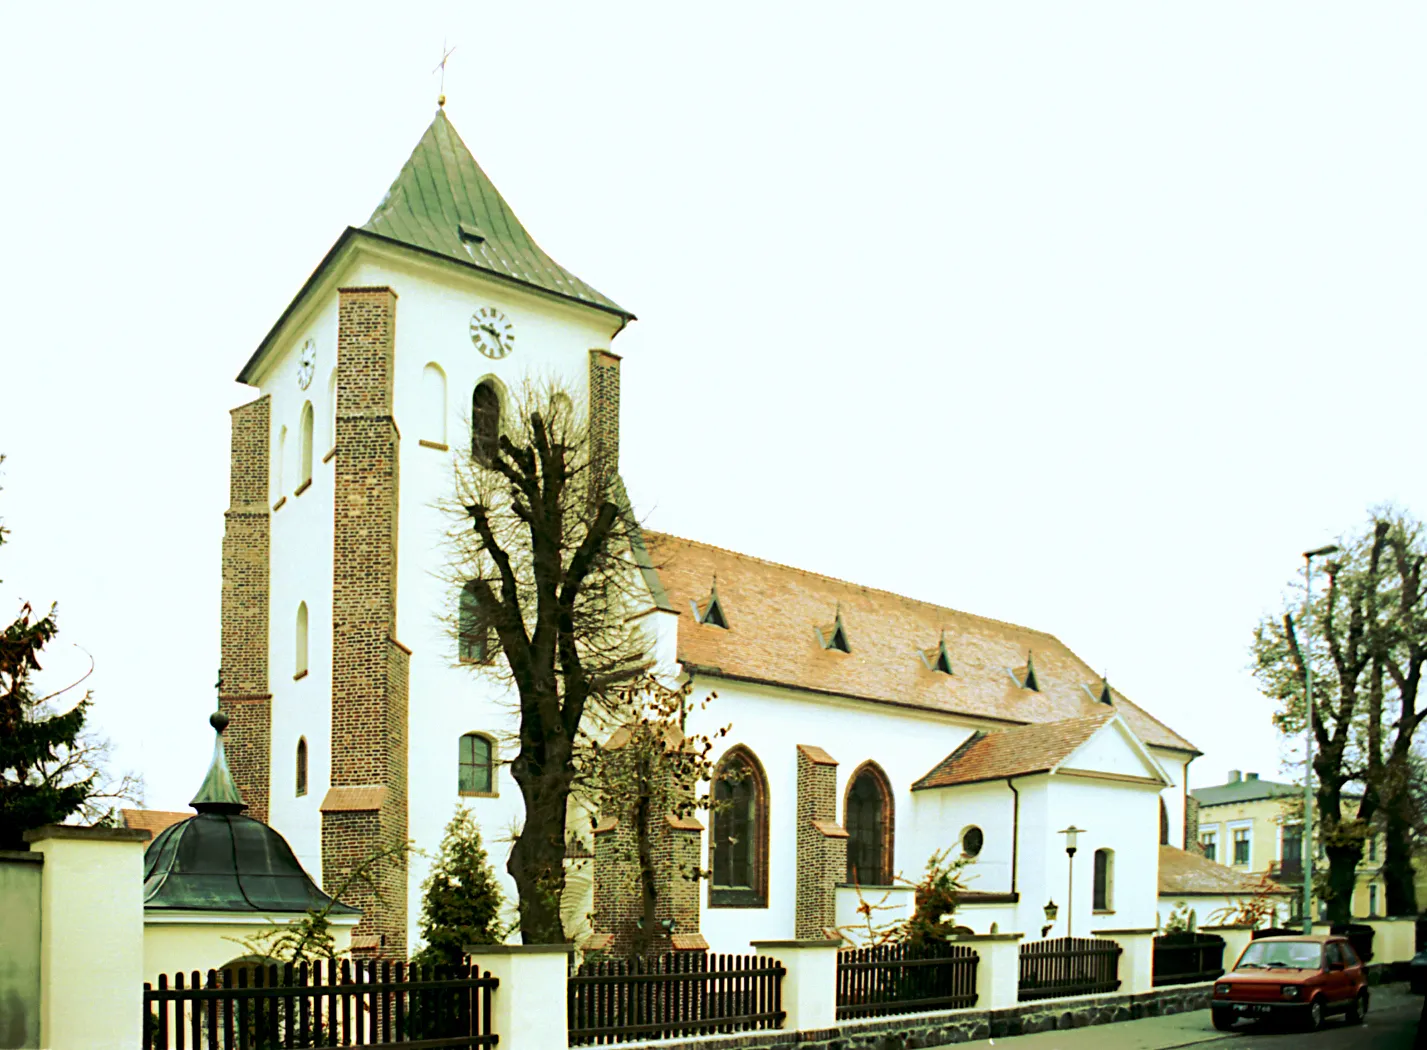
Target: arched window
[[278, 460], [868, 817], [1104, 896], [474, 637], [305, 455], [1163, 823], [332, 410], [433, 404], [485, 422], [739, 844], [477, 765], [300, 646], [302, 765]]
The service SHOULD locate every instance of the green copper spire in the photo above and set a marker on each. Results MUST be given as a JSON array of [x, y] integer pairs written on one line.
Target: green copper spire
[[218, 794], [442, 202]]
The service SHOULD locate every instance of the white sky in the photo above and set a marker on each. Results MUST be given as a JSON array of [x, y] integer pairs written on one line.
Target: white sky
[[1086, 316]]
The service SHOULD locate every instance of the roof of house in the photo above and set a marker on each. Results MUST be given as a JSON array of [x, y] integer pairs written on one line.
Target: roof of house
[[1185, 874], [443, 202], [1013, 752], [774, 613], [151, 820], [1250, 789]]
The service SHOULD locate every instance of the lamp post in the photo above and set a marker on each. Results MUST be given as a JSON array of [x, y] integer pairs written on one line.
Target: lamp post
[[1051, 911], [1070, 834], [1307, 649]]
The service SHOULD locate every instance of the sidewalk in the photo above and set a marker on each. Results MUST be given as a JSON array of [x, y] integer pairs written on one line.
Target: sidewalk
[[1162, 1033]]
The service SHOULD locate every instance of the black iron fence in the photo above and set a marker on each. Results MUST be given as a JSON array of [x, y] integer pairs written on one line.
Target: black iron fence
[[1069, 966], [902, 979], [367, 1004], [683, 993], [1183, 958]]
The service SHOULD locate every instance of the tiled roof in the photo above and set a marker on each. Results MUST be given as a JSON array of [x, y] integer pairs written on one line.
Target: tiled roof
[[443, 202], [152, 820], [773, 612], [1013, 752], [1186, 874]]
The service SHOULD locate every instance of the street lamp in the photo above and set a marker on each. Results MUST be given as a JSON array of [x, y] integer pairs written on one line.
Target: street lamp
[[1307, 649], [1070, 834], [1051, 911]]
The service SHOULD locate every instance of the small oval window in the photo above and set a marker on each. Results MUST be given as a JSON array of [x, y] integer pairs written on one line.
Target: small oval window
[[971, 841]]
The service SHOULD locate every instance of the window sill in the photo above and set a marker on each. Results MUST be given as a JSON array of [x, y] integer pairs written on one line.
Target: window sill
[[302, 488], [301, 794], [1103, 911], [474, 662], [278, 505], [478, 794], [721, 897], [300, 675], [330, 453], [438, 446]]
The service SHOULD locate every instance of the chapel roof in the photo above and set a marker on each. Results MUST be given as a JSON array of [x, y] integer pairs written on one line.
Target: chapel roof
[[1185, 874], [1013, 752], [774, 613], [443, 202], [220, 860]]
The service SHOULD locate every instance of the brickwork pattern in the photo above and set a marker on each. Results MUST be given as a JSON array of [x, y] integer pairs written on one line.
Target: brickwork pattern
[[369, 666], [243, 641], [604, 408], [821, 844], [677, 848]]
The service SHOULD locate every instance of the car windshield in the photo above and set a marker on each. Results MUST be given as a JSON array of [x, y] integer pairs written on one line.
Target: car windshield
[[1299, 955]]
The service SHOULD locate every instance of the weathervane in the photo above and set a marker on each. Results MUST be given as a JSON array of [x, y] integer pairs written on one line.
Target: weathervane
[[441, 66]]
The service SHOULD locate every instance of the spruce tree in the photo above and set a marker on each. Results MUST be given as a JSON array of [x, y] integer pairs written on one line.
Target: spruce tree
[[31, 743], [461, 901]]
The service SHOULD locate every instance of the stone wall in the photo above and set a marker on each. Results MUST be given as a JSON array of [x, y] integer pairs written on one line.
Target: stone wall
[[915, 1031]]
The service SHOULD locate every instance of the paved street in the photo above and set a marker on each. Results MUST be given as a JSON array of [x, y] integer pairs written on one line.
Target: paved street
[[1391, 1025]]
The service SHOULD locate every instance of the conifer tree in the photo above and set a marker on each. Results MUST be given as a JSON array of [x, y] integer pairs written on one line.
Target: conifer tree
[[48, 768], [461, 901]]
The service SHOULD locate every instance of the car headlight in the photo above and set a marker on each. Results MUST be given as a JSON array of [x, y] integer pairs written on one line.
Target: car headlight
[[1290, 991], [1221, 989]]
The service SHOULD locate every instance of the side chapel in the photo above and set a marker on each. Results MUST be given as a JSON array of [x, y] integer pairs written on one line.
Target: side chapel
[[869, 730]]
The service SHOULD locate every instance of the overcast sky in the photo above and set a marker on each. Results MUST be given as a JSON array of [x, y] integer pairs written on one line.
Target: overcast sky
[[1090, 316]]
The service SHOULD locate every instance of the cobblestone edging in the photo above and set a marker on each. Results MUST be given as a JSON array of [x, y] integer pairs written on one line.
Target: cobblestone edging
[[917, 1031]]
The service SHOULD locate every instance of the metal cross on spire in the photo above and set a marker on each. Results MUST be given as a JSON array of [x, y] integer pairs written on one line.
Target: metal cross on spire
[[446, 53]]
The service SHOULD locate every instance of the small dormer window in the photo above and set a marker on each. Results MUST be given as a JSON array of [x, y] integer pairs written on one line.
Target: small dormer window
[[713, 613], [937, 658], [834, 635], [1026, 676], [1105, 697]]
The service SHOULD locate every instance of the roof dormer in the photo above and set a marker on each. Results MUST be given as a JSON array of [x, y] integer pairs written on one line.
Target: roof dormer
[[937, 658], [834, 635], [713, 612]]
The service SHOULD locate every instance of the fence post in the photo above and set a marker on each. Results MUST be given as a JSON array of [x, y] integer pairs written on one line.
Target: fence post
[[810, 986], [998, 968], [1136, 957], [91, 936], [528, 1010]]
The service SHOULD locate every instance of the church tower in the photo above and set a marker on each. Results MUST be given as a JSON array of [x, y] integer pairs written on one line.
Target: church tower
[[353, 725]]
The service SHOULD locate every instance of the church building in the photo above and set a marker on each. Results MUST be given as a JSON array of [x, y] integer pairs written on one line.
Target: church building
[[869, 731]]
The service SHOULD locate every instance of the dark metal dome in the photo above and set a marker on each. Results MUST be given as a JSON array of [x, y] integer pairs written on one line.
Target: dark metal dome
[[220, 860]]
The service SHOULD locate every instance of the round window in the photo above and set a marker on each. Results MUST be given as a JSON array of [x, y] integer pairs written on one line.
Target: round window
[[971, 841]]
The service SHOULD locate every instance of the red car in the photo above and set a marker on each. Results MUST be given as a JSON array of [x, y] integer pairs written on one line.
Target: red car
[[1299, 978]]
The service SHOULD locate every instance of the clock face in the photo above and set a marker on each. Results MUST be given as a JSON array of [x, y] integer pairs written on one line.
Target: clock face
[[492, 333], [306, 364]]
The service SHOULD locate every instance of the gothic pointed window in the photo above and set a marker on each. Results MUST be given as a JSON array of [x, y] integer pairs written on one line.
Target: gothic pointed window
[[739, 844], [433, 406], [868, 818], [485, 423], [474, 642], [1104, 890], [300, 643], [477, 765], [302, 765], [1163, 823], [304, 459]]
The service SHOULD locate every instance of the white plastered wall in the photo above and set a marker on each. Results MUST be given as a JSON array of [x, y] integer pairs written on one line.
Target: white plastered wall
[[1176, 767], [202, 941]]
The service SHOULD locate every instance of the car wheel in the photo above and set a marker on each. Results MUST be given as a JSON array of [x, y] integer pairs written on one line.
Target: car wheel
[[1223, 1019], [1313, 1017], [1359, 1009]]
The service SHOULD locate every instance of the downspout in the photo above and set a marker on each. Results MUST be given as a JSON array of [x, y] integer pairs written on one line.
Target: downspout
[[1015, 830]]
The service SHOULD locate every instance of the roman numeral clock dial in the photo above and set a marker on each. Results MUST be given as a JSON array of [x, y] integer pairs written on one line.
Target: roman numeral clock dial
[[492, 333]]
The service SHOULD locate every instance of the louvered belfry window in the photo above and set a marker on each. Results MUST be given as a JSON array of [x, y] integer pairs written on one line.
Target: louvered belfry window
[[867, 831]]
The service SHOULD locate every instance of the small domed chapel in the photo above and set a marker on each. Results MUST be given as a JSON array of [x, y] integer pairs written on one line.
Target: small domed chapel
[[868, 730]]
